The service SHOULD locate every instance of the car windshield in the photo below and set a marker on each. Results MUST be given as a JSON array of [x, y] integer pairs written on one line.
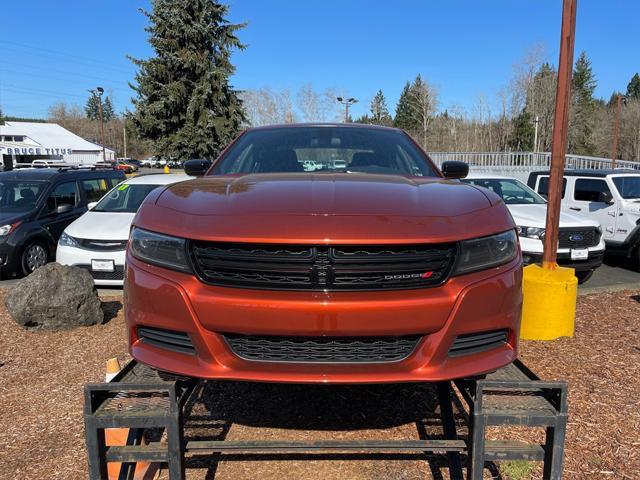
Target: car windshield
[[325, 149], [628, 187], [511, 191], [125, 198], [19, 196]]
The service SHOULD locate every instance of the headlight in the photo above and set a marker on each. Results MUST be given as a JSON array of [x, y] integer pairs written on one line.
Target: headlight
[[531, 232], [5, 230], [487, 252], [68, 241], [158, 249]]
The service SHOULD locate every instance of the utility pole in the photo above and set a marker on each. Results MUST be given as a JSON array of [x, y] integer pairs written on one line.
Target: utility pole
[[535, 137], [346, 102], [616, 132], [100, 91], [124, 138], [560, 130]]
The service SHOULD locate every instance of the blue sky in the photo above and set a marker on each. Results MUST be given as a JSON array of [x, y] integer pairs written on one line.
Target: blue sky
[[56, 50]]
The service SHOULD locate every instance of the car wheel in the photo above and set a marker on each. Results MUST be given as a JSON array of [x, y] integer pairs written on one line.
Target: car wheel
[[584, 276], [34, 256]]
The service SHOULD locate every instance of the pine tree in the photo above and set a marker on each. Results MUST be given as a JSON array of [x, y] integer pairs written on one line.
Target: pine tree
[[107, 110], [185, 104], [633, 89], [523, 133], [404, 118], [583, 108], [379, 111], [1, 116], [92, 108]]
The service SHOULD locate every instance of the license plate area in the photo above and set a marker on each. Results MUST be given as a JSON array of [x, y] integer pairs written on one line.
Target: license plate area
[[579, 253], [103, 265]]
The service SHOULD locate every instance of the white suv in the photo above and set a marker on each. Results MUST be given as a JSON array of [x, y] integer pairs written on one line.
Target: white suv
[[581, 246], [98, 239], [611, 197]]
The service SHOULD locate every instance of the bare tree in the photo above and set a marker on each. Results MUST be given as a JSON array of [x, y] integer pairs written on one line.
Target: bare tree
[[423, 101]]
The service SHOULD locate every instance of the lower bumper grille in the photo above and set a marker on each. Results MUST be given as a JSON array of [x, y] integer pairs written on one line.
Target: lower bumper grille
[[167, 339], [117, 274], [478, 342], [322, 349]]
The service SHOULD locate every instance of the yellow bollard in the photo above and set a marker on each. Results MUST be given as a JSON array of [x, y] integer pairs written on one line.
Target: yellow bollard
[[166, 169], [549, 303]]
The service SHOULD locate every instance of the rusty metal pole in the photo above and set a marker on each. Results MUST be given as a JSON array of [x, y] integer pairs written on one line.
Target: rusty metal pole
[[560, 131], [616, 133]]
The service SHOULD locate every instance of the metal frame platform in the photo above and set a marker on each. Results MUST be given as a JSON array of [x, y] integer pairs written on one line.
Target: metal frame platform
[[140, 398]]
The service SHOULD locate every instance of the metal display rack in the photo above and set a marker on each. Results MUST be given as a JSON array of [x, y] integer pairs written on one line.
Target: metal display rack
[[141, 399]]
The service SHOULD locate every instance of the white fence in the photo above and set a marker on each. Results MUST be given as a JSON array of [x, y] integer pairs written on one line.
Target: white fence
[[520, 164]]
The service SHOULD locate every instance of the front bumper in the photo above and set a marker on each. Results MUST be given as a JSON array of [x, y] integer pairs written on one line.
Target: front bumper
[[81, 257], [532, 253], [477, 302]]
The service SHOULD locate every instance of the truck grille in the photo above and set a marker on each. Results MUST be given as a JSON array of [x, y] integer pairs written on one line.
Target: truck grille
[[578, 237], [290, 267], [322, 349]]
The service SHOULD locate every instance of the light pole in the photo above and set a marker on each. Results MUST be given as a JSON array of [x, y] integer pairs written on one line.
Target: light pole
[[346, 102], [535, 137], [99, 91], [616, 131]]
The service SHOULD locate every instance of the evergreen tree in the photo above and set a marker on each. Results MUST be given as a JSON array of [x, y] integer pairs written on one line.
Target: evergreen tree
[[404, 118], [92, 108], [379, 111], [583, 111], [523, 133], [107, 110], [366, 119], [633, 89], [1, 116], [185, 104]]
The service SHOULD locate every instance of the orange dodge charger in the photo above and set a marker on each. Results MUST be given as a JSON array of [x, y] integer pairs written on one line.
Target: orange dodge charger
[[324, 254]]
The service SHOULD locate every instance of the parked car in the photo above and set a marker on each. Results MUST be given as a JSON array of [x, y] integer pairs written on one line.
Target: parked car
[[148, 162], [97, 240], [37, 204], [611, 197], [262, 271], [580, 245], [125, 167], [131, 161]]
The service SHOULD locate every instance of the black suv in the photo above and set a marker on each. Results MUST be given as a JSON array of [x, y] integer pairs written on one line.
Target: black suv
[[37, 204]]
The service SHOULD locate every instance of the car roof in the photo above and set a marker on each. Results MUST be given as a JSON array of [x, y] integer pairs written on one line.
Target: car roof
[[157, 179], [591, 172], [322, 124], [52, 174]]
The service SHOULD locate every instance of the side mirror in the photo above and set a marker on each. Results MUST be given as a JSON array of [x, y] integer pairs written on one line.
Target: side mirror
[[64, 208], [455, 169], [90, 205], [607, 198], [196, 168]]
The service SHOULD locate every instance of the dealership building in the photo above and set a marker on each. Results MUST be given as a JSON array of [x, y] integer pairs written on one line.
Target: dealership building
[[24, 142]]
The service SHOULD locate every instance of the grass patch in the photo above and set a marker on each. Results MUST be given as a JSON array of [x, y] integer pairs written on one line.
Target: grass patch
[[517, 469]]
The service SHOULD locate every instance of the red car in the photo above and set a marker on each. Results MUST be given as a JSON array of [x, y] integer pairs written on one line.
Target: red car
[[324, 254], [125, 167]]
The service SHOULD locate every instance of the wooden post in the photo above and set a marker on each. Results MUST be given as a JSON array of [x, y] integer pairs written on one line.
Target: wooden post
[[616, 133], [560, 131]]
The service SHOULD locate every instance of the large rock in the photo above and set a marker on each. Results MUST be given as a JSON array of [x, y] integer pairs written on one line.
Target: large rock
[[55, 297]]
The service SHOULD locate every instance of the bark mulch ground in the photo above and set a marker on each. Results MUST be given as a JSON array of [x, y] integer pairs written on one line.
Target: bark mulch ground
[[42, 374]]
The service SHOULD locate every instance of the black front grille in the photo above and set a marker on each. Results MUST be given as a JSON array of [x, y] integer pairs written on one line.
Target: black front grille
[[102, 245], [167, 339], [478, 342], [322, 349], [117, 274], [290, 267], [578, 237]]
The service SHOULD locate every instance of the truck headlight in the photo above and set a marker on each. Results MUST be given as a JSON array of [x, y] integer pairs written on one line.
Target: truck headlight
[[158, 249], [7, 229], [68, 241], [487, 252], [531, 232]]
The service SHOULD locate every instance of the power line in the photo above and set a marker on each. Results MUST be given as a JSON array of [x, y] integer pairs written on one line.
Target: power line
[[49, 94], [65, 72], [77, 82]]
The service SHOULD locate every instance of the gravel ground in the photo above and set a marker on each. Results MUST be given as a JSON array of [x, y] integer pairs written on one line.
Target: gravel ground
[[42, 374]]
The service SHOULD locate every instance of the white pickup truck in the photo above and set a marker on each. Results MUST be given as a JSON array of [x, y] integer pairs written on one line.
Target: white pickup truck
[[580, 243]]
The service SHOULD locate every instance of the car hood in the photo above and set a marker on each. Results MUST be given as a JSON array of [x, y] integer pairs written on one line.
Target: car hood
[[101, 226], [536, 216], [322, 207], [6, 218]]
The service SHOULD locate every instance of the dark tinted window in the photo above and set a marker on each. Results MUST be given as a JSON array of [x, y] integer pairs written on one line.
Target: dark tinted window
[[591, 190], [64, 194], [543, 186], [628, 187], [95, 188], [325, 149], [17, 196]]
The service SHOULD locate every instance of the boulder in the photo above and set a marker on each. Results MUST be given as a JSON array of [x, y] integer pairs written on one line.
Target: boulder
[[55, 297]]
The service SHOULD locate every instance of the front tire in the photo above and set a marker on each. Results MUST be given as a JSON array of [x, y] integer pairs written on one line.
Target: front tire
[[584, 276], [34, 256]]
